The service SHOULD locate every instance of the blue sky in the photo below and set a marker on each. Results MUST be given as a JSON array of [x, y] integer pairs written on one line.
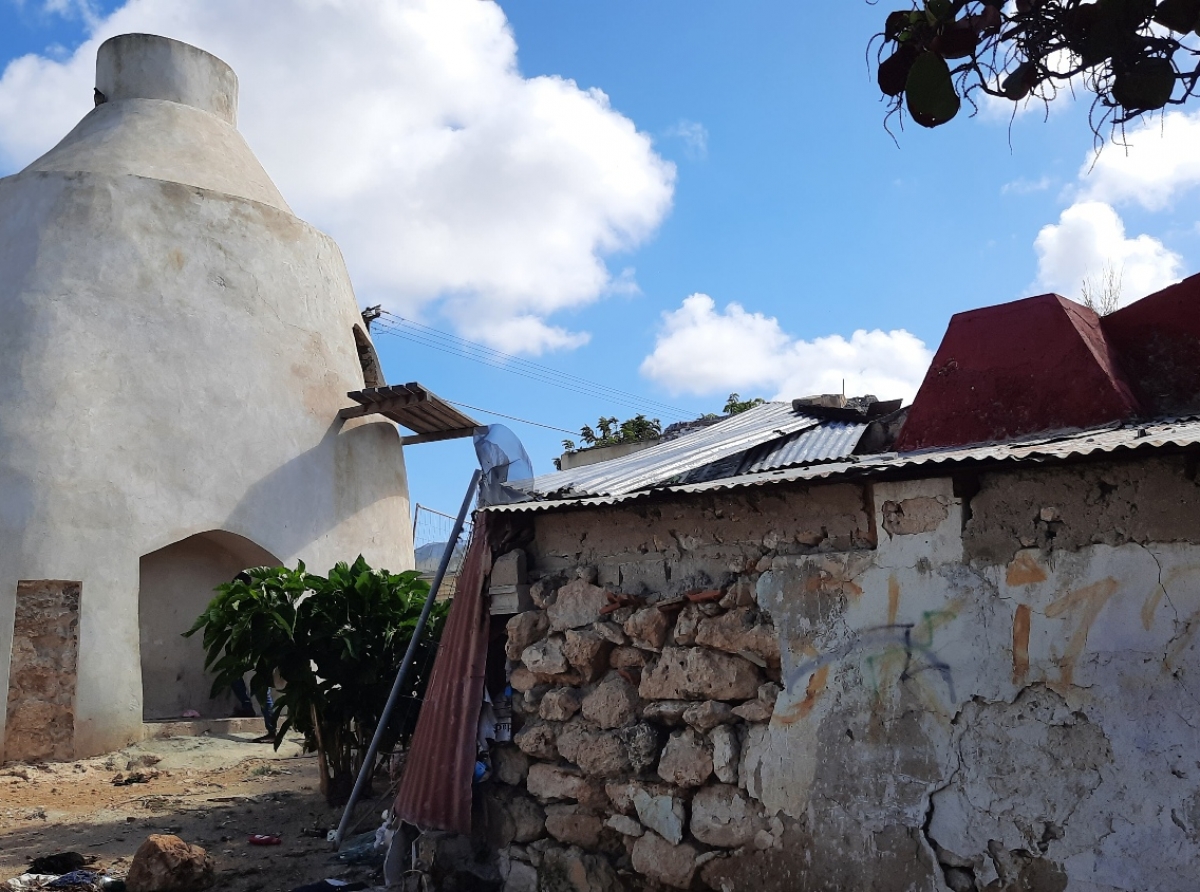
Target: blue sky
[[736, 156]]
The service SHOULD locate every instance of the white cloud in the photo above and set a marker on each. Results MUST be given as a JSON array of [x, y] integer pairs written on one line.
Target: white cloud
[[701, 350], [694, 137], [406, 131], [1090, 236], [1025, 186], [1159, 161]]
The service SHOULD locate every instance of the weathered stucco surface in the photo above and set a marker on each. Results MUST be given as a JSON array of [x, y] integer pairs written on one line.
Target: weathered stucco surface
[[172, 361], [1001, 694]]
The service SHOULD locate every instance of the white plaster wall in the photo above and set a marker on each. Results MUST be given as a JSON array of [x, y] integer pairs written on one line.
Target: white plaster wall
[[172, 362], [925, 701]]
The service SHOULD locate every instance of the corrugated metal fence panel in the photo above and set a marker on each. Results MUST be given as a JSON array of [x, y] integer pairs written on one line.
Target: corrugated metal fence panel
[[668, 462], [830, 441], [435, 792]]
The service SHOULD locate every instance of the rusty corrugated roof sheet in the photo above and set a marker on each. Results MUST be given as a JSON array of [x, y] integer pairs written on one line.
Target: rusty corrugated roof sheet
[[1160, 434], [435, 792]]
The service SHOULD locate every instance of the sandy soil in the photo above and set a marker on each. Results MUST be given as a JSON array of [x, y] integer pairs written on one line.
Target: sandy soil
[[211, 791]]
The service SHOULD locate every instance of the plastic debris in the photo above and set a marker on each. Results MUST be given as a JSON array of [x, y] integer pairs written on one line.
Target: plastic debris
[[264, 839]]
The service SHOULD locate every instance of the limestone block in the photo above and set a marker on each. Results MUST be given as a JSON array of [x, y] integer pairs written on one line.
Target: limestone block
[[666, 712], [560, 704], [661, 811], [686, 624], [550, 782], [741, 631], [512, 817], [671, 865], [726, 749], [509, 765], [627, 658], [598, 753], [537, 739], [754, 711], [707, 715], [693, 673], [625, 825], [686, 760], [508, 569], [648, 628], [574, 826], [544, 592], [522, 679], [523, 630], [612, 704], [587, 653], [165, 863], [642, 744], [578, 604], [620, 795], [546, 658], [610, 632], [574, 870], [723, 816]]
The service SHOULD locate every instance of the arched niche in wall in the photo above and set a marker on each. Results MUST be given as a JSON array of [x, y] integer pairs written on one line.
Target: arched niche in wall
[[368, 359], [177, 583]]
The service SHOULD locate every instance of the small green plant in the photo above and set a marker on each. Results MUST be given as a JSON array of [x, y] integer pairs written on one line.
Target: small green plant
[[336, 643], [610, 432], [735, 405]]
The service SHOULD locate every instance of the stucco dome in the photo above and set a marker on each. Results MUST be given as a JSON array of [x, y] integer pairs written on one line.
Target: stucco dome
[[175, 345]]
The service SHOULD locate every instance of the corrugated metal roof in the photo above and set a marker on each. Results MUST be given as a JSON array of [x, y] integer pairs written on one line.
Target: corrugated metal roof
[[1053, 448], [668, 462], [435, 791], [829, 441]]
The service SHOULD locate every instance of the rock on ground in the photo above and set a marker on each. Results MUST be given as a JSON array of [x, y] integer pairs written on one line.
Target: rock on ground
[[165, 863]]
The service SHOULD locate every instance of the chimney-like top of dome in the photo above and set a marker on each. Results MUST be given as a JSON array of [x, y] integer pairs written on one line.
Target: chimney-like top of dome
[[146, 66]]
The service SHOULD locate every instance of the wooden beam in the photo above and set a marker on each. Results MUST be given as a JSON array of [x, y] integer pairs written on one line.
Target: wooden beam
[[380, 407], [438, 435]]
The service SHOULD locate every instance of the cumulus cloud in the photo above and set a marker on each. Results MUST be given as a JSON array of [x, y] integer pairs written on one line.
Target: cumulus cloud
[[702, 350], [406, 130], [1089, 238], [1159, 162]]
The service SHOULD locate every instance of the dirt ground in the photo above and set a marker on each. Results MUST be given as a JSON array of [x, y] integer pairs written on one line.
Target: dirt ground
[[212, 791]]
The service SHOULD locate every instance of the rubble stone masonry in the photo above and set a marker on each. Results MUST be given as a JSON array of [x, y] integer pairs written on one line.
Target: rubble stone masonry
[[984, 683]]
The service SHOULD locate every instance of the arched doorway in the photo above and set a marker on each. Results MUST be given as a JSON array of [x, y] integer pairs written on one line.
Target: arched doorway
[[177, 583]]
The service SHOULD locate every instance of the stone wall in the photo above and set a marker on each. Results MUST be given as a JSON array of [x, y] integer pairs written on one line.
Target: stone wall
[[42, 672], [989, 683]]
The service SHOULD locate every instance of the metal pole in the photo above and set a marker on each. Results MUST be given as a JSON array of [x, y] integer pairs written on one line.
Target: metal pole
[[368, 765]]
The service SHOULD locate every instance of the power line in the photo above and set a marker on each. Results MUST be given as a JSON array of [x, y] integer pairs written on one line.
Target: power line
[[416, 332], [515, 418]]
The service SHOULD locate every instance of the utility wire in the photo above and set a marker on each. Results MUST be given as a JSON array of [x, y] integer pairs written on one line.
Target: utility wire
[[515, 418], [546, 376], [407, 329]]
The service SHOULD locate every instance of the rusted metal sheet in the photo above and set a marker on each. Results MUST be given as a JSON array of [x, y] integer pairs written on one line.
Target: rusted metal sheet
[[435, 792]]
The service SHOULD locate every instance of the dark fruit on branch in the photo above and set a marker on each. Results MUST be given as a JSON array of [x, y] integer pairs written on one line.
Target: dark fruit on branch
[[929, 90], [893, 71]]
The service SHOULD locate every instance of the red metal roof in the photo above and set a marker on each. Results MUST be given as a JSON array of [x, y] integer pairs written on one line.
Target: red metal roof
[[1003, 372], [1158, 339], [435, 792]]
